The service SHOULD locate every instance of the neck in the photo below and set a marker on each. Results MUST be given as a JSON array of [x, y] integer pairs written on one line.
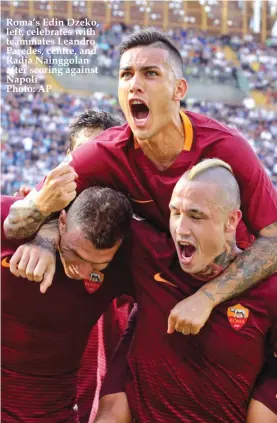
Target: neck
[[163, 148], [220, 262]]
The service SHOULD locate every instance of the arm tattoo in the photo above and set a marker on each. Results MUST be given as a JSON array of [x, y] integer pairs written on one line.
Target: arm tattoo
[[253, 265], [48, 236], [24, 219], [45, 243]]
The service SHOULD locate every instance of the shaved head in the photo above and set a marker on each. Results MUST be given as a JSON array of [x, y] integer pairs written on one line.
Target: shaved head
[[219, 174]]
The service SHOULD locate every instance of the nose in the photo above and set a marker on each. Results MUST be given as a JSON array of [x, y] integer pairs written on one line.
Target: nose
[[136, 84], [82, 270], [183, 228]]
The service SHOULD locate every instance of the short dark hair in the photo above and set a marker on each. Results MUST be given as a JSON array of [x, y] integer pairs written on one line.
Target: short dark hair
[[103, 214], [92, 119], [150, 37]]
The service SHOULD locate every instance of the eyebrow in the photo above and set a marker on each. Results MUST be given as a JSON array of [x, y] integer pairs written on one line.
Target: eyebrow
[[143, 68], [196, 211], [82, 258]]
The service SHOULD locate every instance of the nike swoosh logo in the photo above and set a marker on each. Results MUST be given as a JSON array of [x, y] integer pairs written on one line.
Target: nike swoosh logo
[[141, 201], [5, 263], [160, 279]]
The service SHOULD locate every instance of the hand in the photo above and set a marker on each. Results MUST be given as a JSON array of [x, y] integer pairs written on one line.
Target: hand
[[35, 263], [58, 190], [23, 191], [190, 315]]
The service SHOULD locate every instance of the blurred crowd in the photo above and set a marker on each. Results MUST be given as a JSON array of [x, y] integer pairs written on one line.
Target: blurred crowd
[[34, 126], [34, 131], [258, 62]]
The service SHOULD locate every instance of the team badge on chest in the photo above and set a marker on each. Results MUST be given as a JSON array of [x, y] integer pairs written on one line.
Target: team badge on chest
[[95, 281], [237, 316]]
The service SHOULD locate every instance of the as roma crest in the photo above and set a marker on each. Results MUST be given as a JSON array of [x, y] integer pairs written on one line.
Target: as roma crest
[[95, 281], [237, 316]]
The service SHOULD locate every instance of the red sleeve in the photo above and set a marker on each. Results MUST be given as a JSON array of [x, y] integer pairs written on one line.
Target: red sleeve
[[118, 369], [265, 389], [258, 195]]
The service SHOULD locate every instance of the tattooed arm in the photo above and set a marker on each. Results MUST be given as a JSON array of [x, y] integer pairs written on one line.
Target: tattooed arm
[[27, 215], [253, 265]]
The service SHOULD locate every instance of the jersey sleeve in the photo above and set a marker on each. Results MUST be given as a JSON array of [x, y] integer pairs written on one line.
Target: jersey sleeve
[[265, 389], [118, 370], [258, 195]]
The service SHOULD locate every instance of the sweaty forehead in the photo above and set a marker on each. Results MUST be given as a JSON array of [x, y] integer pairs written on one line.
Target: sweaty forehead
[[145, 56]]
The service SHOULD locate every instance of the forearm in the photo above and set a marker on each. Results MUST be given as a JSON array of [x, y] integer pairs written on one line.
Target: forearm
[[113, 409], [259, 413], [118, 370], [251, 266], [27, 215], [25, 218]]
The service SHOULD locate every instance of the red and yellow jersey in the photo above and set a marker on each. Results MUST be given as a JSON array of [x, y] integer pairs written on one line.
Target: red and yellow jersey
[[44, 337], [114, 159], [208, 377]]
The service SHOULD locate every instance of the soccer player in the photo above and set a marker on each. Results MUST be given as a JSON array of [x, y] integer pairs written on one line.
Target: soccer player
[[44, 336], [208, 377], [106, 333], [145, 158]]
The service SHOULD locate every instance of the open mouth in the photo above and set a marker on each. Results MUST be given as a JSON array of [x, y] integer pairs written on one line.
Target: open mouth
[[139, 111], [186, 252]]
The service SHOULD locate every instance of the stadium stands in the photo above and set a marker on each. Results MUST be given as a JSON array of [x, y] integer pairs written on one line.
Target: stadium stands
[[34, 126]]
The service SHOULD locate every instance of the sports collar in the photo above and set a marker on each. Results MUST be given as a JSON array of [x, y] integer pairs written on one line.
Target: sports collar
[[188, 130]]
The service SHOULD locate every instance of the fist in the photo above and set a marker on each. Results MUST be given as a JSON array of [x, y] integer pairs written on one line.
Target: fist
[[34, 263], [58, 190], [190, 315]]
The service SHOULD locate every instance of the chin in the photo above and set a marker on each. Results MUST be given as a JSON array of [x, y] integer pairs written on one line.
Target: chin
[[191, 269], [141, 134]]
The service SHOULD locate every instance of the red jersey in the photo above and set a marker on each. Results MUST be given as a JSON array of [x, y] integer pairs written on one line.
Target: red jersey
[[102, 342], [44, 337], [266, 387], [113, 159], [204, 378]]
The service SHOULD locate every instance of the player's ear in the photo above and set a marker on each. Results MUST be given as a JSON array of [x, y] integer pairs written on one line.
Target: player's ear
[[233, 220], [62, 221], [181, 88]]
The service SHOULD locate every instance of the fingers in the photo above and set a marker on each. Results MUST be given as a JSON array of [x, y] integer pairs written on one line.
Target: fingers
[[64, 169], [24, 191], [35, 264], [41, 269], [30, 269], [47, 280], [171, 324], [183, 325], [70, 187], [14, 262], [190, 315]]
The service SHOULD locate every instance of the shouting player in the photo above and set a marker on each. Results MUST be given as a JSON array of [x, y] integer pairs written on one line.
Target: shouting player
[[145, 158], [208, 377]]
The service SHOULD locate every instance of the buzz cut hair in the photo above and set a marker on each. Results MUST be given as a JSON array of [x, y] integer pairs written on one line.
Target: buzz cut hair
[[219, 173], [154, 38], [204, 165], [103, 214], [92, 119]]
